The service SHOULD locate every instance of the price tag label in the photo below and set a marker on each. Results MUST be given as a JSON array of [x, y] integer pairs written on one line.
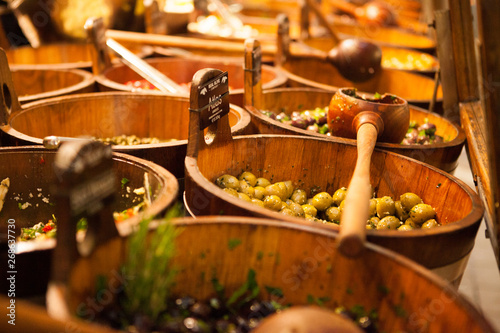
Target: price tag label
[[213, 97]]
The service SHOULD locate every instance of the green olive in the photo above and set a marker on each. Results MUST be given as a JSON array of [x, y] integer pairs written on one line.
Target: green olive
[[408, 200], [372, 208], [299, 196], [287, 211], [257, 202], [389, 222], [243, 196], [385, 207], [278, 189], [273, 202], [297, 209], [410, 222], [310, 210], [341, 206], [247, 189], [421, 213], [231, 191], [262, 182], [289, 188], [431, 223], [322, 201], [372, 222], [401, 213], [248, 177], [228, 181], [332, 214], [259, 192], [405, 227], [339, 196], [284, 205]]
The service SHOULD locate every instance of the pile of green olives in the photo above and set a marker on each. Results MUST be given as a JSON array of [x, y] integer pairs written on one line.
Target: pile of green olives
[[407, 213]]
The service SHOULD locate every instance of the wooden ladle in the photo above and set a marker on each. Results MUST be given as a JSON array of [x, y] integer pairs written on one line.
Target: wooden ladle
[[372, 12], [356, 59], [350, 115]]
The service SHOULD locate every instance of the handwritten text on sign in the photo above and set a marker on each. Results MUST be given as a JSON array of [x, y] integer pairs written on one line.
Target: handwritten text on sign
[[213, 99]]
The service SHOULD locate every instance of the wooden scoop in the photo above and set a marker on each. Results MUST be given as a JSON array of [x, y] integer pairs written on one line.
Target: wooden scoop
[[97, 34], [352, 116], [372, 12]]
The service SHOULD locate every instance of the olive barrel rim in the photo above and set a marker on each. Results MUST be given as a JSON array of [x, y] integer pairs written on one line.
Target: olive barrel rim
[[472, 219], [244, 118]]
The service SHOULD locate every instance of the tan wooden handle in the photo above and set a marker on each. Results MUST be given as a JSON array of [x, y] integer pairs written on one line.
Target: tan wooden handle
[[344, 6], [317, 10], [355, 213]]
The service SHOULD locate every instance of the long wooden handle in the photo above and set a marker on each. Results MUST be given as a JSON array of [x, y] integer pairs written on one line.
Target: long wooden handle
[[317, 10], [355, 213]]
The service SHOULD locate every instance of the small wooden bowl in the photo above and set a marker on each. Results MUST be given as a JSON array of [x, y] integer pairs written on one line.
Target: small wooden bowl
[[327, 164], [405, 296], [181, 70], [31, 174], [441, 155], [36, 83]]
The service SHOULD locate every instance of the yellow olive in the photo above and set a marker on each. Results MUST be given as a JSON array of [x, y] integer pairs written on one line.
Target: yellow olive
[[385, 207], [278, 189], [410, 222], [372, 222], [429, 224], [339, 195], [332, 214], [421, 213], [289, 188], [231, 191], [228, 181], [322, 201], [408, 200], [262, 182], [243, 196], [287, 211], [284, 205], [247, 189], [297, 209], [299, 196], [259, 192], [389, 222], [401, 213], [273, 202], [405, 227], [257, 202], [372, 208], [248, 177], [310, 210]]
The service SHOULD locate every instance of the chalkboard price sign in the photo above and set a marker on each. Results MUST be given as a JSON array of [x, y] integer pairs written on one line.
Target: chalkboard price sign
[[213, 99]]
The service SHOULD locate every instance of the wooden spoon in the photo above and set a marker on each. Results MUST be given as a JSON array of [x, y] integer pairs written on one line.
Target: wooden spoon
[[351, 116], [372, 12], [97, 34], [357, 60]]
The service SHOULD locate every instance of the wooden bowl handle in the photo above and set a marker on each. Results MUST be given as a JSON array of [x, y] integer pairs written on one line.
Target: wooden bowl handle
[[253, 73], [219, 132], [10, 102], [355, 213]]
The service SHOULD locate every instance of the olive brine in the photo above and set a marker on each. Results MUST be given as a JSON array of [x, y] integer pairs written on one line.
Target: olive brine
[[407, 213]]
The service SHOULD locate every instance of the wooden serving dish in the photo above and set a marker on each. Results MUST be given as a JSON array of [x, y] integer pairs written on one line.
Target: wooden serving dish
[[441, 155], [400, 291], [31, 174], [182, 69], [36, 83], [326, 164]]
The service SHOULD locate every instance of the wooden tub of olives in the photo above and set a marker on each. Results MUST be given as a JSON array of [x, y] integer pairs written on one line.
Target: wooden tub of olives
[[148, 126], [29, 200], [317, 165], [387, 292], [303, 111], [181, 70]]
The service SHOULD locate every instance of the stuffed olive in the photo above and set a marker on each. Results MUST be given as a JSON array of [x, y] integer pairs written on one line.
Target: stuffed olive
[[407, 212]]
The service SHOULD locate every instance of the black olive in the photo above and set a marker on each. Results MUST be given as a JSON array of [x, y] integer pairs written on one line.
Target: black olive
[[309, 120], [412, 135], [282, 116], [185, 302], [242, 325], [201, 310], [322, 120], [429, 128], [367, 324], [299, 122]]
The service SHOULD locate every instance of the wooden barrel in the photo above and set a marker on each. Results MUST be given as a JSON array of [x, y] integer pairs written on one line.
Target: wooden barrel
[[441, 155], [110, 114], [316, 165], [33, 84], [392, 57], [29, 200], [404, 295], [59, 55], [415, 88], [181, 70]]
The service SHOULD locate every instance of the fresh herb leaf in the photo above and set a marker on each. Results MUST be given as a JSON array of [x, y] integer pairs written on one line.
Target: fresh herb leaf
[[233, 243], [124, 182], [275, 291]]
